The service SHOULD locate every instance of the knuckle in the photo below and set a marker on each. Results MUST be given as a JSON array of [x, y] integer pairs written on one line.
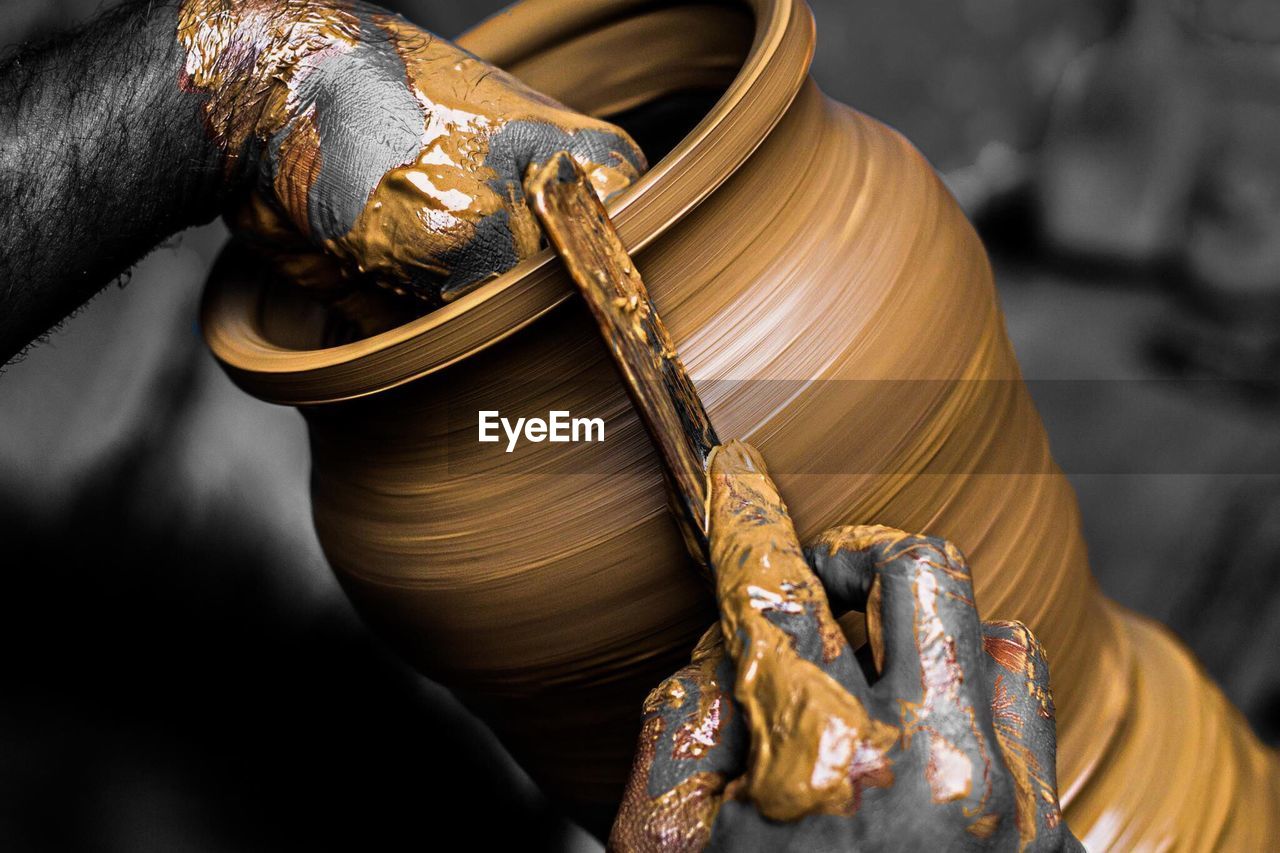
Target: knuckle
[[1012, 645], [949, 558], [594, 143], [874, 539], [895, 553], [1012, 631], [847, 537], [1018, 633]]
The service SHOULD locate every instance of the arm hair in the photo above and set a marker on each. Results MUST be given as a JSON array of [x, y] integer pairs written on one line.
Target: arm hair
[[102, 156]]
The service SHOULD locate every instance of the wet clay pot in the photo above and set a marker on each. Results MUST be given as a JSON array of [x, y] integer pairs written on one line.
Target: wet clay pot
[[836, 309]]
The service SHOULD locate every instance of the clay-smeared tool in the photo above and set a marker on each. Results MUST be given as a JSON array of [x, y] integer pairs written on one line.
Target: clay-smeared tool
[[579, 228]]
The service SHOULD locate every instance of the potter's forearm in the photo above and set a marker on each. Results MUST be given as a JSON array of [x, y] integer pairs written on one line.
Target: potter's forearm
[[102, 155], [370, 151]]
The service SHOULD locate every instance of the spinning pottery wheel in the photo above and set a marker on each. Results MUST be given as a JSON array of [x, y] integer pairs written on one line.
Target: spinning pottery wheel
[[835, 309]]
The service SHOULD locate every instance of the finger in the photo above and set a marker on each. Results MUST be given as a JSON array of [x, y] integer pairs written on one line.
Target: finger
[[760, 568], [1017, 680], [843, 560], [505, 236], [814, 744], [921, 616], [608, 156], [926, 636], [691, 743], [611, 159]]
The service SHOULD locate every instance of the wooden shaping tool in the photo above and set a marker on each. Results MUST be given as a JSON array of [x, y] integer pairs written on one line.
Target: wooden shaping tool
[[579, 228]]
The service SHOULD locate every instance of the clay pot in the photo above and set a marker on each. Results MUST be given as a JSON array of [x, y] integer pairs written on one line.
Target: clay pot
[[834, 307]]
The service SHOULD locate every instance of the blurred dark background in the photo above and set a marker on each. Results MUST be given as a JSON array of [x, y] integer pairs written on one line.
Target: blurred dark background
[[180, 671]]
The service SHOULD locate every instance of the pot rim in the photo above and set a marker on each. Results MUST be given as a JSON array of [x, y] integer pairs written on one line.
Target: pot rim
[[760, 94]]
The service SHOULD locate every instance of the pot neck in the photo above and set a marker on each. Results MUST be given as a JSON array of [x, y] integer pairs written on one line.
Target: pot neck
[[768, 80]]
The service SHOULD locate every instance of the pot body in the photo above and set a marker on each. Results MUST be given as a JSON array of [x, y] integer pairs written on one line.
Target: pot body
[[837, 310]]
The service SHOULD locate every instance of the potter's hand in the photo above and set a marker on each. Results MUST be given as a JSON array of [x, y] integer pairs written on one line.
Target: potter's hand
[[775, 738], [377, 149]]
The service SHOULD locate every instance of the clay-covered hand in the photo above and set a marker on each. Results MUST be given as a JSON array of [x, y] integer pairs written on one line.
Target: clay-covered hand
[[778, 737], [377, 149]]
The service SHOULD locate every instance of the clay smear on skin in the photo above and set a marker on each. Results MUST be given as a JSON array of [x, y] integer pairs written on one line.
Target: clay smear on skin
[[833, 749], [1034, 789], [950, 770], [233, 46], [679, 819]]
